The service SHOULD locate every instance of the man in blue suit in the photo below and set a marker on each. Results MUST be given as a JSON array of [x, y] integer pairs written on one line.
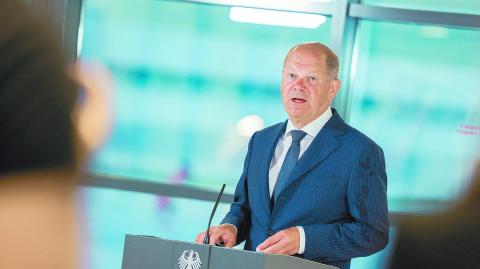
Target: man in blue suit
[[312, 186]]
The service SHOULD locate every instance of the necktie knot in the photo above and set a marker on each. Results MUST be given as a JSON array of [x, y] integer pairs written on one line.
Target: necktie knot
[[297, 136]]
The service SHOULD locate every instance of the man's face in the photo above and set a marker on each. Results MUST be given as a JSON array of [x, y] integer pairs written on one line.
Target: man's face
[[306, 88]]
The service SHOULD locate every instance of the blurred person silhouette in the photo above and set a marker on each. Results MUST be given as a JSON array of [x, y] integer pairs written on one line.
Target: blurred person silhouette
[[446, 240], [46, 133]]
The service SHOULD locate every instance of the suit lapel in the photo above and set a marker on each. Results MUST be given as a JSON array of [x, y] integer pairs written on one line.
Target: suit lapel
[[321, 147]]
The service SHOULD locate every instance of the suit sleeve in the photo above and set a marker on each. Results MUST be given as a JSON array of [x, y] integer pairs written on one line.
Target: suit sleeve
[[367, 232], [239, 214]]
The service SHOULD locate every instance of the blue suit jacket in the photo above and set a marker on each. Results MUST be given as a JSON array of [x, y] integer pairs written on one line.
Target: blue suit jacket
[[337, 192]]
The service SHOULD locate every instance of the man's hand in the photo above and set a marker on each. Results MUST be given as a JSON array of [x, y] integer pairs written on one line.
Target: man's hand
[[285, 242], [226, 233]]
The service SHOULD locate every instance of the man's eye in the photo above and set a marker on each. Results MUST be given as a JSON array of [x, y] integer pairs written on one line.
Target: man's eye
[[312, 79], [290, 75]]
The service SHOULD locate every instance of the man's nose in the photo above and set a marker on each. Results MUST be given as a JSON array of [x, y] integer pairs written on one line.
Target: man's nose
[[299, 84]]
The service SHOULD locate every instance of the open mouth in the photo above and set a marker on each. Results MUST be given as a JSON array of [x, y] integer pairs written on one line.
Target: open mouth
[[298, 100]]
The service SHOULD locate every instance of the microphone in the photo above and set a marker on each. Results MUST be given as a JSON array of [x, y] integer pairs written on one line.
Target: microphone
[[206, 239]]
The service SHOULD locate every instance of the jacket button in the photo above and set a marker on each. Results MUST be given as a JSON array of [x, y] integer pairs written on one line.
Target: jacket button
[[270, 233]]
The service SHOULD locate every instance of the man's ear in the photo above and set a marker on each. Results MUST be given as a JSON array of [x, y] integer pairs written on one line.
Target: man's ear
[[334, 88], [93, 114]]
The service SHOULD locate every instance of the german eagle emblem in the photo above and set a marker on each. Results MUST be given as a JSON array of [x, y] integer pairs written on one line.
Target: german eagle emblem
[[189, 260]]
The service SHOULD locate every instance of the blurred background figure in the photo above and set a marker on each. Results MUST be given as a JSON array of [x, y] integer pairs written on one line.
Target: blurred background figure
[[447, 240], [46, 133]]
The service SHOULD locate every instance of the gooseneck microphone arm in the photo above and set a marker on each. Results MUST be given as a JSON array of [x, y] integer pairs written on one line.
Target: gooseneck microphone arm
[[206, 239]]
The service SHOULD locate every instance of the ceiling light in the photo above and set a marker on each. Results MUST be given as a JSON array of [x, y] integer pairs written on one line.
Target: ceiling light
[[273, 17]]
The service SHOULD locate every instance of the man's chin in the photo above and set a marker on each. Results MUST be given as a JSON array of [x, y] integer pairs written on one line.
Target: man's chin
[[296, 112], [297, 117]]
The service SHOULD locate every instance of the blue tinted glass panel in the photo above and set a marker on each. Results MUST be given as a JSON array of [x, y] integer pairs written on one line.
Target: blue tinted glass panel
[[186, 76], [415, 92]]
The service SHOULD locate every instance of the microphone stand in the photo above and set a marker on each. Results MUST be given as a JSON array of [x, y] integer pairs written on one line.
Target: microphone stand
[[206, 239]]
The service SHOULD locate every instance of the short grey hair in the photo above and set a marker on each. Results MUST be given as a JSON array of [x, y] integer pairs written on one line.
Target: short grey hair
[[331, 60]]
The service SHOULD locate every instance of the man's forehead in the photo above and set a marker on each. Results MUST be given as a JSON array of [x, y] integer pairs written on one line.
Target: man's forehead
[[305, 57], [304, 63], [300, 66]]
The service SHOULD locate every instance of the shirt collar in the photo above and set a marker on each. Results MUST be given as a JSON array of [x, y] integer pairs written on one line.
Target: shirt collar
[[314, 127]]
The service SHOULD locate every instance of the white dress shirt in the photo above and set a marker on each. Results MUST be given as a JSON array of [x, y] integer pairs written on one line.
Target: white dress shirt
[[312, 129]]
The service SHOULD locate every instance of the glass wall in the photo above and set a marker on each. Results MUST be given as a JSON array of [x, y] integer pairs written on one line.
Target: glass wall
[[419, 100], [192, 86]]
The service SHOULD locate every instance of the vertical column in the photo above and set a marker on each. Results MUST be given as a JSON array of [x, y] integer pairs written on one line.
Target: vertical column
[[342, 42]]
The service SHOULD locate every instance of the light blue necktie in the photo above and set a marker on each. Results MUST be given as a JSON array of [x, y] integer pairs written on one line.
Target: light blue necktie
[[289, 163]]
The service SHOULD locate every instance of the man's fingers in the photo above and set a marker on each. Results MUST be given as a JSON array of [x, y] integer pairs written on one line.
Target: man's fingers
[[219, 234], [200, 237], [281, 247], [269, 242], [216, 237], [283, 242], [223, 236], [273, 249], [229, 235], [229, 239], [230, 242]]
